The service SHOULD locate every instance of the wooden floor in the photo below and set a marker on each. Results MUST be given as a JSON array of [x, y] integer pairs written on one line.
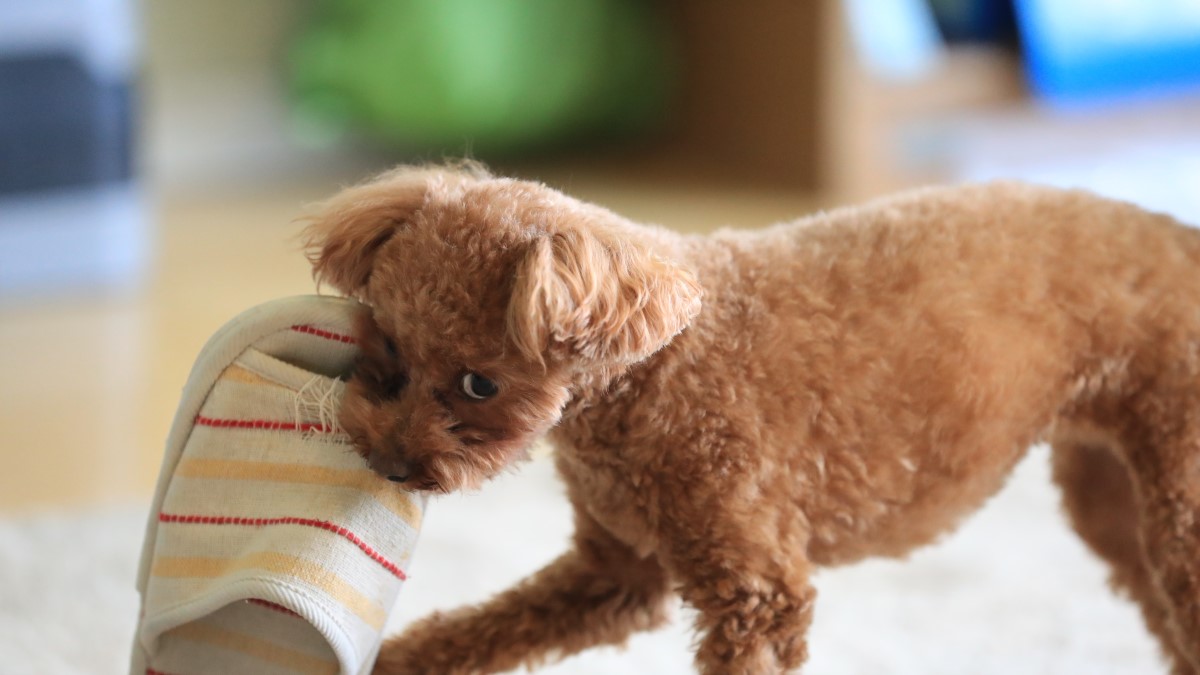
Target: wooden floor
[[91, 383]]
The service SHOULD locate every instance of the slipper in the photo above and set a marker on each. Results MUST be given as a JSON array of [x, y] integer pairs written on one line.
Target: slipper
[[271, 547]]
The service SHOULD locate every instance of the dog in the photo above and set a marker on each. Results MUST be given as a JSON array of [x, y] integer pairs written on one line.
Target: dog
[[733, 411]]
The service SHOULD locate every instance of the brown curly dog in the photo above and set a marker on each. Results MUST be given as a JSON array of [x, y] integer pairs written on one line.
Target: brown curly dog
[[733, 411]]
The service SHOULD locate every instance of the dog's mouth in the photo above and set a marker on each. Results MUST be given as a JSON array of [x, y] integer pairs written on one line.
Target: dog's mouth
[[463, 463], [407, 475], [411, 479], [427, 485]]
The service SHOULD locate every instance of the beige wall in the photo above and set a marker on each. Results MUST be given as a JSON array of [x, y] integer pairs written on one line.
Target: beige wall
[[214, 97]]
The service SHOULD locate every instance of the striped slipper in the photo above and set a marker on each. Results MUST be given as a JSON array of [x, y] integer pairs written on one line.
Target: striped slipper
[[271, 548]]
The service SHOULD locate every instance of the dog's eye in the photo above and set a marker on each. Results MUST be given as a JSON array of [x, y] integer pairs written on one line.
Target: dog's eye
[[390, 347], [477, 386]]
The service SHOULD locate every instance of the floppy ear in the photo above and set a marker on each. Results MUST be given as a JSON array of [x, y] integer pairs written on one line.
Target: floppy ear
[[347, 232], [609, 301]]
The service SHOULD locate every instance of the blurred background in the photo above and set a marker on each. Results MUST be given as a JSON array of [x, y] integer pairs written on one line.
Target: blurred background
[[154, 157]]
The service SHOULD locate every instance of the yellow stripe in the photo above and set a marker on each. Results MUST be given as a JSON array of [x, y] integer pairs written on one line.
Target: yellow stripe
[[254, 647], [236, 373], [275, 563], [362, 480]]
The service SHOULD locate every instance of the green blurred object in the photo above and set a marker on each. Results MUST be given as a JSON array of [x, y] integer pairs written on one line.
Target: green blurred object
[[485, 76]]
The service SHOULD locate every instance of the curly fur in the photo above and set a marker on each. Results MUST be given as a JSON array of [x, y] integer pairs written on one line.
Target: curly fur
[[734, 411]]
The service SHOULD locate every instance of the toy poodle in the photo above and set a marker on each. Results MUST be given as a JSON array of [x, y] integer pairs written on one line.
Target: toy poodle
[[734, 411]]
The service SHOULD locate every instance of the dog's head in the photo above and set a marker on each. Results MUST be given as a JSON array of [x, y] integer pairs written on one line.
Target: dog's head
[[494, 303]]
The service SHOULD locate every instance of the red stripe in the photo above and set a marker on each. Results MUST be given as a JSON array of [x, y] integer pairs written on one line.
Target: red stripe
[[272, 606], [307, 522], [336, 337], [270, 425], [151, 671]]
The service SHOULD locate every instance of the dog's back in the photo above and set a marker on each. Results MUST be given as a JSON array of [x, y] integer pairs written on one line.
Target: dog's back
[[939, 332]]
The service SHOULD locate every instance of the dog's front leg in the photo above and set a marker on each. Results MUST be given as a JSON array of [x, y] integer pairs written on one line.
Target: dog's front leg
[[751, 588], [597, 593]]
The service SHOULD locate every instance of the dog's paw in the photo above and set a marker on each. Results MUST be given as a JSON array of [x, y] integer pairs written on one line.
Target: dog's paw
[[432, 646], [398, 658]]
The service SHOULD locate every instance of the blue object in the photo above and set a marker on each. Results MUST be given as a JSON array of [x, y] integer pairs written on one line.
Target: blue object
[[71, 212], [967, 21], [1078, 50]]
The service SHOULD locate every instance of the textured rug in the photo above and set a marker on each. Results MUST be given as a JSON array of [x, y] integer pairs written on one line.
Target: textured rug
[[1013, 591]]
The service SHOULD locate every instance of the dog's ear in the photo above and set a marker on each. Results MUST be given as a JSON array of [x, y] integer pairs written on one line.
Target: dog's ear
[[608, 301], [346, 233]]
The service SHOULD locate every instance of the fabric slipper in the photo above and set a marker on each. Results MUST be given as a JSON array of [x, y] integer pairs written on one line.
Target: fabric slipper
[[270, 547]]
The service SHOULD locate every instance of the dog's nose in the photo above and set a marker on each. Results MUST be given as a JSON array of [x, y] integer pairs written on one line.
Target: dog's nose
[[390, 465], [398, 471]]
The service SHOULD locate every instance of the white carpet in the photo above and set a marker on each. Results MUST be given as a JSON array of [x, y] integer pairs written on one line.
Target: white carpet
[[1012, 592]]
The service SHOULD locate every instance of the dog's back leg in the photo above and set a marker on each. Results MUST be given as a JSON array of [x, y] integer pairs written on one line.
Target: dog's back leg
[[1099, 499], [1154, 414], [1165, 464]]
